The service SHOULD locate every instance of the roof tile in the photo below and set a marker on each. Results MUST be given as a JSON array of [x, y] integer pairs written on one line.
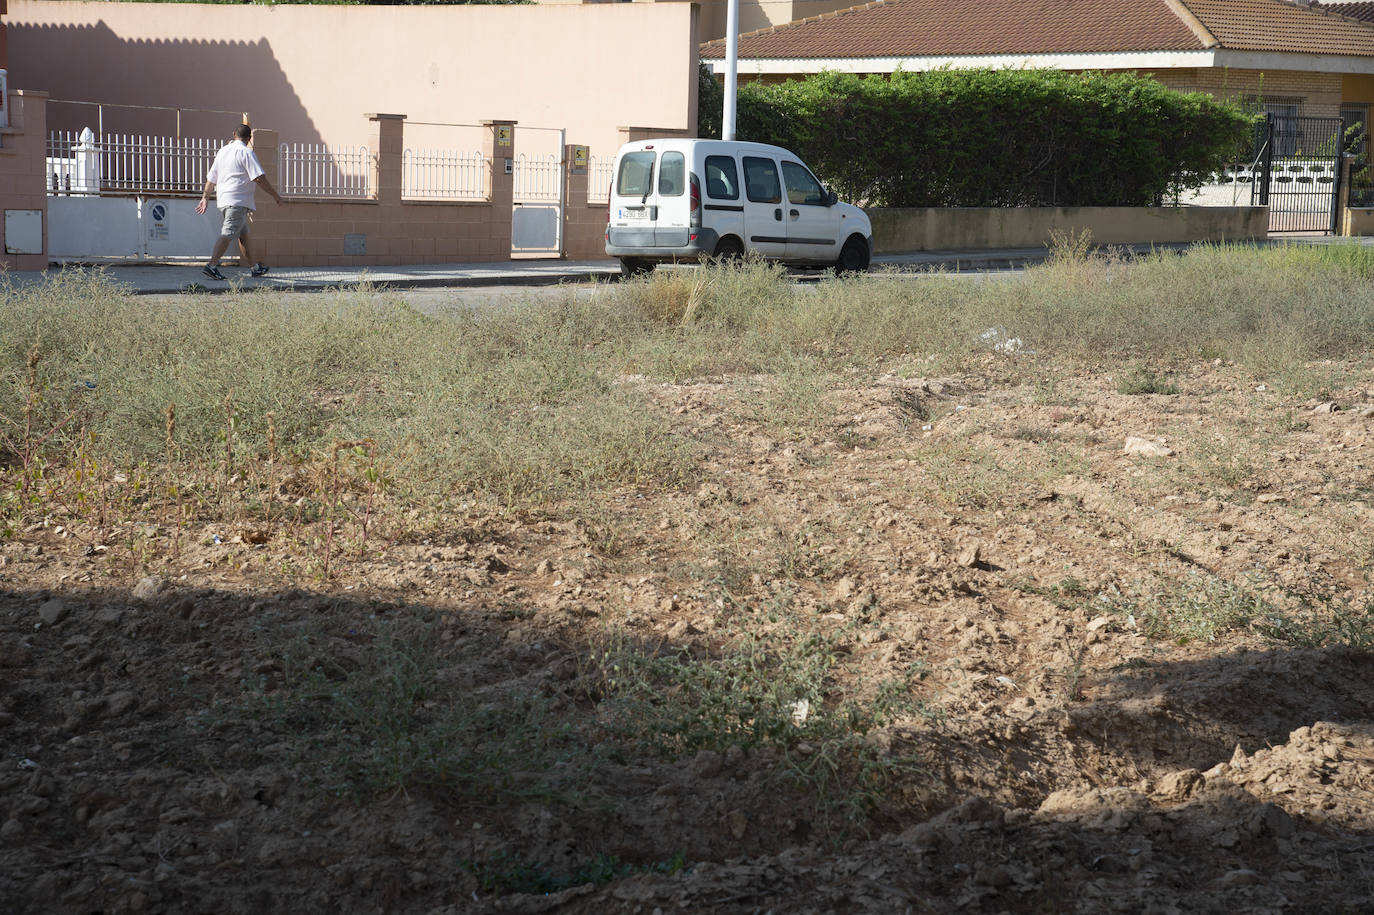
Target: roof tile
[[956, 28]]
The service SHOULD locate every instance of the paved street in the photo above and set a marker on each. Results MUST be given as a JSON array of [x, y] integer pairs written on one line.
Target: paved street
[[166, 279]]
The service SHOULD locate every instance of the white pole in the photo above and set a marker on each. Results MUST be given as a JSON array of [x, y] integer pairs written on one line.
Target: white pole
[[727, 118]]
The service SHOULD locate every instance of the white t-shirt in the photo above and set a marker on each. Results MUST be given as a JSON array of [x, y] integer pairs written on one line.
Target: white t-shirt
[[233, 172]]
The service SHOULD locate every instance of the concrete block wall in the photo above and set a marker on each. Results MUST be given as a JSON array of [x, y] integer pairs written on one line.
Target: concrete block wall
[[391, 231], [384, 229], [974, 228], [23, 147]]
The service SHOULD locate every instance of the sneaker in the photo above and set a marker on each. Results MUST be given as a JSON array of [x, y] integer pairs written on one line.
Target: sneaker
[[259, 269], [212, 272]]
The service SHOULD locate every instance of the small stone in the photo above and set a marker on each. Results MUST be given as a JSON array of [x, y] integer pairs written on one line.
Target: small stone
[[148, 588], [121, 702], [1269, 820], [681, 630], [1180, 785], [1329, 406], [53, 611], [1241, 877], [707, 764], [970, 555], [1100, 623], [111, 616], [1146, 448], [737, 823], [844, 588], [544, 568]]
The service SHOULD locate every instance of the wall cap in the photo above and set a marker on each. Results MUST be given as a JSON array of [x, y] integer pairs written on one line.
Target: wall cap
[[386, 117]]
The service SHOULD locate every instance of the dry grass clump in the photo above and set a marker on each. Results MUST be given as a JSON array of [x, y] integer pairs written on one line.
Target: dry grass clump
[[526, 407]]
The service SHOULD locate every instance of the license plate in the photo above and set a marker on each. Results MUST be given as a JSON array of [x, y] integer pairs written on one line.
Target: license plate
[[635, 213]]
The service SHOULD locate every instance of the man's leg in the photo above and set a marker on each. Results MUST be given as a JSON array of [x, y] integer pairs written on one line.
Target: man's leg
[[246, 249], [221, 245]]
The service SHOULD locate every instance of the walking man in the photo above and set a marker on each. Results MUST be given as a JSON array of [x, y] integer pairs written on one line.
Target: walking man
[[233, 176]]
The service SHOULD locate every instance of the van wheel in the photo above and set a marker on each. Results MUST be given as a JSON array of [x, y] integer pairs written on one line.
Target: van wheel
[[854, 256], [729, 250], [631, 267]]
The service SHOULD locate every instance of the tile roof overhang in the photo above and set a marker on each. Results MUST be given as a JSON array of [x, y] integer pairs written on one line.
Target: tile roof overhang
[[1067, 34]]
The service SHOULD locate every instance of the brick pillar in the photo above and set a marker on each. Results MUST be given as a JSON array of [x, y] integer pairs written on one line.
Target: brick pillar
[[576, 177], [388, 146], [1343, 198], [584, 225], [500, 152], [23, 179], [267, 147]]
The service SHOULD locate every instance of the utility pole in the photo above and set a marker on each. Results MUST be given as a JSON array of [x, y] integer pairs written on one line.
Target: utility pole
[[727, 117]]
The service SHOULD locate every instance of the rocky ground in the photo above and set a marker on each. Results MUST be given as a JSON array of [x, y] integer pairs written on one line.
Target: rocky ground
[[1135, 627]]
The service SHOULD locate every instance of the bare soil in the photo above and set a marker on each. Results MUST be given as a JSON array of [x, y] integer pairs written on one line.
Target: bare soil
[[1070, 756]]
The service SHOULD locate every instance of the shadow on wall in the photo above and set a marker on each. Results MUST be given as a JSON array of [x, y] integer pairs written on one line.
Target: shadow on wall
[[93, 64]]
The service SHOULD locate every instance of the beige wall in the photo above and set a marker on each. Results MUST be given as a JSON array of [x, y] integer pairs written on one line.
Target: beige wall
[[935, 229], [309, 72], [757, 14]]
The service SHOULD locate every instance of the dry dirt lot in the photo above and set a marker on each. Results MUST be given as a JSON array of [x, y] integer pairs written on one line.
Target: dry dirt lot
[[1107, 652]]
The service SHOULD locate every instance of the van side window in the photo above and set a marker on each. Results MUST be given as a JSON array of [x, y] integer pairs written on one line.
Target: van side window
[[636, 175], [802, 187], [761, 180], [672, 171], [722, 178]]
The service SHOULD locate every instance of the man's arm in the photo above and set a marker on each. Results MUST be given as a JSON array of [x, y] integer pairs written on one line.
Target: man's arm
[[262, 182], [205, 197]]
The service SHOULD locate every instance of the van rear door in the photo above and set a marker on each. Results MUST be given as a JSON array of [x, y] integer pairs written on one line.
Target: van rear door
[[632, 225], [671, 228]]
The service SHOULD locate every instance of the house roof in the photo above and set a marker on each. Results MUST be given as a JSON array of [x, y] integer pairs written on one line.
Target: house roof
[[1354, 9], [954, 28]]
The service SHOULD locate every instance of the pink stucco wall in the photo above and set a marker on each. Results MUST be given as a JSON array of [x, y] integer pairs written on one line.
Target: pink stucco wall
[[309, 72]]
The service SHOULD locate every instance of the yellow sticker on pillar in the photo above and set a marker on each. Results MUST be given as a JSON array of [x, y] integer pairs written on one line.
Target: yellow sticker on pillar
[[505, 135], [579, 160]]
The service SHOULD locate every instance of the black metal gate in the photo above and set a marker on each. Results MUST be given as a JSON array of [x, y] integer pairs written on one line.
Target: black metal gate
[[1300, 172]]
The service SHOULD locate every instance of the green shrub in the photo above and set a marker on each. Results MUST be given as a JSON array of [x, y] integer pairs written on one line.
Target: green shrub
[[997, 138]]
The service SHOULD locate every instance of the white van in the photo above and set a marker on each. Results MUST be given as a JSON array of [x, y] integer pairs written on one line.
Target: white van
[[680, 199]]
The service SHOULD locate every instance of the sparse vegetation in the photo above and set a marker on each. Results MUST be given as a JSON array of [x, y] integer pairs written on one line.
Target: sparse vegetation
[[613, 590]]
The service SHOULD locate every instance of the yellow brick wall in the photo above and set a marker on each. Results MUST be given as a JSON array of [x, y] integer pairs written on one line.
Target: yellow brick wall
[[1321, 93]]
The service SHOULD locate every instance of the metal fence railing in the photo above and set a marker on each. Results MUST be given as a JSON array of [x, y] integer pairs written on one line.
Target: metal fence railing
[[86, 163], [537, 179], [600, 170], [445, 174], [318, 170]]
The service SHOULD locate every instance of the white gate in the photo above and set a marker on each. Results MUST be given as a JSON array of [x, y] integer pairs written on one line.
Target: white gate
[[539, 193]]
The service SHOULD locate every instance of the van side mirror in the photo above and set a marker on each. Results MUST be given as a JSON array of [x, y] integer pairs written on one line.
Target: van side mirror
[[831, 198]]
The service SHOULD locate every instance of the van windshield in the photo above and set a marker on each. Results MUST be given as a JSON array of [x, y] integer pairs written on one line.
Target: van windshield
[[635, 178]]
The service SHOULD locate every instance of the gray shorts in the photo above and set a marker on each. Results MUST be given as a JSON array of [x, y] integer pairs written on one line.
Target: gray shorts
[[235, 221]]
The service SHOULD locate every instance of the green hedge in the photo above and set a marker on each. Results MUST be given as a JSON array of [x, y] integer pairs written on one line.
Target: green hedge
[[995, 138]]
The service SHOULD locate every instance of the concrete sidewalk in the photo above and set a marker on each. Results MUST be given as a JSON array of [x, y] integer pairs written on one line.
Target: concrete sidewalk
[[170, 279]]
